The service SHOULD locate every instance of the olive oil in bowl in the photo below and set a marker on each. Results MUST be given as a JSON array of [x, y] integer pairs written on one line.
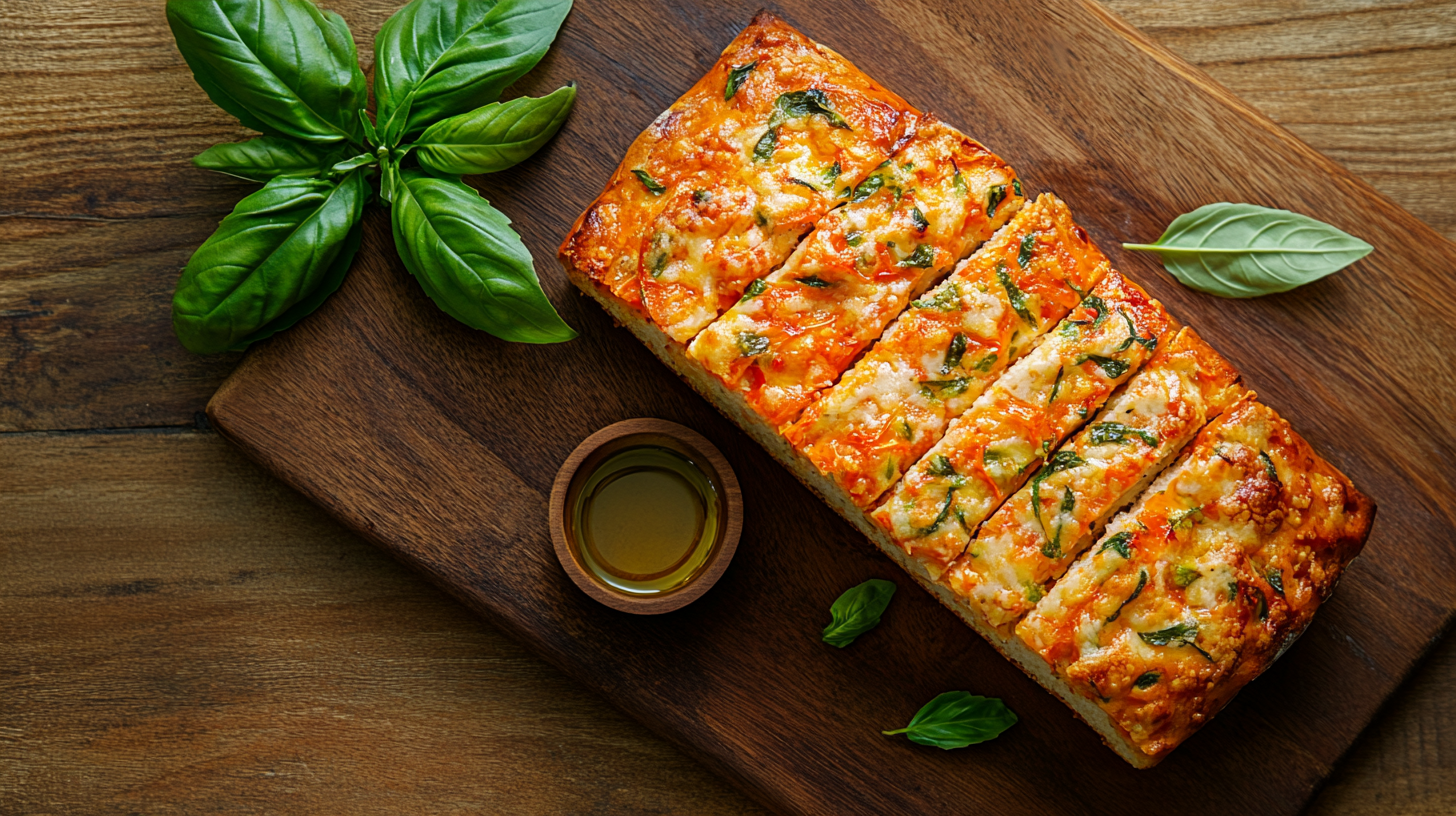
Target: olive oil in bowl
[[646, 519]]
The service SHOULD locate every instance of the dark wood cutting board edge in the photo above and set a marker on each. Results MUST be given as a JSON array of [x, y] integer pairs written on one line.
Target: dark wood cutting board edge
[[296, 406]]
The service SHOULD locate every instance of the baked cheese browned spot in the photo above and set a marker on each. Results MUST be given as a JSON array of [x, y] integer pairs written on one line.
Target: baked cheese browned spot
[[1014, 426], [1199, 587], [795, 331], [1030, 541], [946, 348], [721, 187]]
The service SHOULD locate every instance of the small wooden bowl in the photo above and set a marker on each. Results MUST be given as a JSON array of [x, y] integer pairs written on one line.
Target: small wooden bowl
[[630, 433]]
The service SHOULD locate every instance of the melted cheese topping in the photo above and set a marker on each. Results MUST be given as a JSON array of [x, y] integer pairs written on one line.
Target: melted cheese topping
[[795, 331], [1035, 535], [898, 399], [989, 451], [706, 201], [1197, 589]]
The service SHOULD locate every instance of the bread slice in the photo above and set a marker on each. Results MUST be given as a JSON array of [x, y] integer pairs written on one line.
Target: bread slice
[[1200, 586], [709, 198]]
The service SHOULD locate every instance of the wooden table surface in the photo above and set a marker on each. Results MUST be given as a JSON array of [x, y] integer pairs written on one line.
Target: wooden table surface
[[179, 633]]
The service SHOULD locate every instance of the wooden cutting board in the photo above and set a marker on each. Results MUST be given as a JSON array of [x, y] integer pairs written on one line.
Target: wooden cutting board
[[440, 443]]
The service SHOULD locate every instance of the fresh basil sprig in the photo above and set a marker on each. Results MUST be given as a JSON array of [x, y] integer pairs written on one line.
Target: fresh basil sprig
[[857, 611], [956, 719], [290, 71], [1244, 250]]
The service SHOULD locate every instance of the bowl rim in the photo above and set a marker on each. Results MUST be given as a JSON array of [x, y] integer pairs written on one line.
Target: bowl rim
[[718, 471]]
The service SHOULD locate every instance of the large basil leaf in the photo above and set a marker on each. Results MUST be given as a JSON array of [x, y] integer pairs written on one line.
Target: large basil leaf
[[469, 260], [281, 67], [956, 719], [1243, 250], [333, 278], [274, 251], [440, 58], [268, 157], [494, 137]]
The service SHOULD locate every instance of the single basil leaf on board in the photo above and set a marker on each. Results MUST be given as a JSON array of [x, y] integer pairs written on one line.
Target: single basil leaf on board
[[332, 280], [268, 157], [857, 611], [956, 719], [469, 260], [275, 250], [439, 58], [282, 67], [493, 137], [1244, 250]]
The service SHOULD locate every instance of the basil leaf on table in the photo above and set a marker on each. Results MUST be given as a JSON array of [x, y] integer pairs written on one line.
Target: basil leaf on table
[[956, 719], [1243, 250], [469, 260], [268, 157], [494, 137], [300, 78], [440, 58], [274, 251], [857, 611]]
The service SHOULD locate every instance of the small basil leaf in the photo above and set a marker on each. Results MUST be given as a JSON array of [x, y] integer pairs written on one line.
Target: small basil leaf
[[1243, 250], [798, 104], [867, 188], [299, 78], [922, 258], [1147, 680], [857, 611], [268, 157], [275, 250], [1014, 295], [1118, 543], [1103, 433], [956, 719], [1138, 590], [954, 353], [750, 344], [439, 58], [493, 137], [469, 260], [1111, 367], [736, 78]]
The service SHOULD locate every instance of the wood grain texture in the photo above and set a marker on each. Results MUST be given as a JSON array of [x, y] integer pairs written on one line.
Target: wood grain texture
[[185, 635], [101, 206], [373, 408], [99, 211]]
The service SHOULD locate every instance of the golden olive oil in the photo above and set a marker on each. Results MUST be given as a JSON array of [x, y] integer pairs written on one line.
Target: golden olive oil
[[646, 520]]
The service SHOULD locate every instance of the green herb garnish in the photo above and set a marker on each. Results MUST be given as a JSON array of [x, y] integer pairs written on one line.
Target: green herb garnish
[[1147, 680], [945, 299], [1276, 579], [756, 288], [1269, 469], [956, 719], [814, 281], [763, 150], [922, 258], [750, 344], [1119, 544], [1028, 245], [854, 238], [1183, 576], [857, 611], [649, 182], [941, 466], [918, 219], [954, 353], [940, 517], [867, 188], [1111, 367], [1102, 433], [1142, 582], [736, 78], [996, 195], [1179, 634], [1014, 295], [943, 389], [701, 196]]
